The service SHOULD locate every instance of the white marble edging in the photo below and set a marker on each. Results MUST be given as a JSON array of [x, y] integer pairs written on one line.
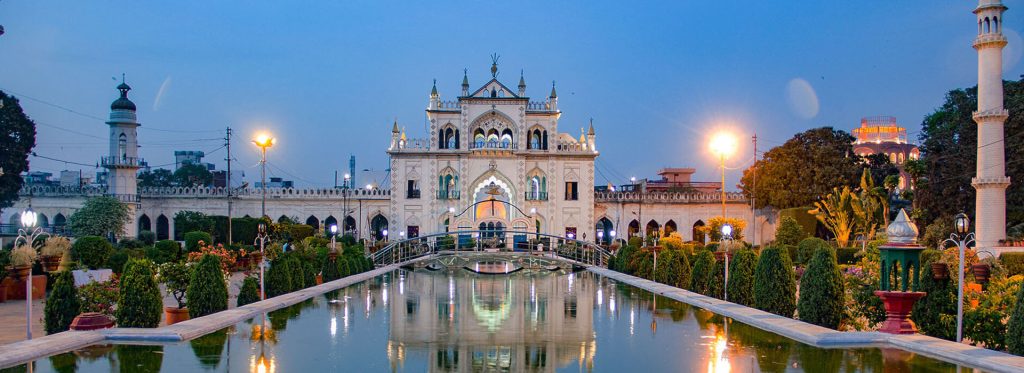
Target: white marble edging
[[17, 353], [957, 353]]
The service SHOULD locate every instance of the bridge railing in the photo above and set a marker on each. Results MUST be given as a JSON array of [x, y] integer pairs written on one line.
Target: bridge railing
[[482, 240]]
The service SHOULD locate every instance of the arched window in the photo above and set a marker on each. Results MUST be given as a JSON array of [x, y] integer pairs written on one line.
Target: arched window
[[162, 228], [698, 231], [122, 146], [312, 221], [144, 223], [634, 228], [670, 226], [604, 229], [535, 139], [988, 25], [377, 226], [478, 138], [506, 139], [331, 220], [350, 224], [59, 220], [995, 24]]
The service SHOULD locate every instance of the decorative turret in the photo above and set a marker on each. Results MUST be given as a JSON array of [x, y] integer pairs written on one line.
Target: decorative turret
[[553, 98], [395, 134], [123, 161], [465, 82], [522, 84], [591, 137], [435, 99], [990, 180]]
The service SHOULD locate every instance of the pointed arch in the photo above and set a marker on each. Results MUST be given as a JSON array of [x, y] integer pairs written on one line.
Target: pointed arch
[[283, 218], [163, 225], [698, 231], [378, 225], [653, 228], [59, 220], [313, 222], [144, 223], [349, 224], [670, 226], [634, 228], [604, 228], [329, 221], [42, 221]]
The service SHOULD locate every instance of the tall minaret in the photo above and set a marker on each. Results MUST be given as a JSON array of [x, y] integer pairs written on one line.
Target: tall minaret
[[123, 162], [990, 180]]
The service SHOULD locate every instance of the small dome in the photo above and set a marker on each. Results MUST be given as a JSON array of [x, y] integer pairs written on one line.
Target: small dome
[[123, 103], [902, 230]]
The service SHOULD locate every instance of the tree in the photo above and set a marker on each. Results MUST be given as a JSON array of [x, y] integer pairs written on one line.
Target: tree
[[741, 277], [714, 228], [775, 283], [17, 138], [207, 292], [100, 216], [809, 165], [874, 209], [789, 231], [821, 290], [193, 175], [949, 144], [837, 211], [250, 292], [701, 276], [160, 177], [191, 221], [62, 305], [139, 303]]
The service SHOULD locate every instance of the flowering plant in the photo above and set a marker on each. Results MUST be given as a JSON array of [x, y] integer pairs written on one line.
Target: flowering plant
[[100, 296], [227, 257]]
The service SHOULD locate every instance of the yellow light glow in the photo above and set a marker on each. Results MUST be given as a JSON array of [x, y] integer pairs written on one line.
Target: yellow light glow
[[263, 140], [723, 144]]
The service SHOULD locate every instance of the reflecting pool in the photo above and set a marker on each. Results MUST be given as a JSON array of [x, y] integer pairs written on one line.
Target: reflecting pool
[[456, 320]]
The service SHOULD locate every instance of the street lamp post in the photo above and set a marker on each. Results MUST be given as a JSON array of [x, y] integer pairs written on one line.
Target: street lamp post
[[344, 196], [723, 145], [726, 235], [28, 234], [263, 142], [334, 234], [261, 238], [961, 238]]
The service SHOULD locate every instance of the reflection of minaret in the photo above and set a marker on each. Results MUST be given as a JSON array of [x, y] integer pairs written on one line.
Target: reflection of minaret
[[990, 181], [123, 161]]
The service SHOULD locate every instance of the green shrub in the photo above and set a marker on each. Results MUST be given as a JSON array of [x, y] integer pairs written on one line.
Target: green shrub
[[244, 229], [635, 241], [161, 253], [279, 279], [775, 283], [192, 240], [92, 251], [791, 251], [310, 271], [62, 305], [712, 247], [807, 248], [702, 275], [250, 292], [1015, 327], [808, 222], [644, 264], [933, 312], [624, 258], [139, 303], [673, 269], [821, 291], [128, 243], [329, 270], [847, 255], [1013, 262], [741, 277], [147, 237], [789, 231], [344, 268], [207, 292], [297, 272], [117, 261], [347, 240], [716, 284]]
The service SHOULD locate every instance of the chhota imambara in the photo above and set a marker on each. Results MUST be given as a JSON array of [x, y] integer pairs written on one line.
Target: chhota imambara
[[494, 161]]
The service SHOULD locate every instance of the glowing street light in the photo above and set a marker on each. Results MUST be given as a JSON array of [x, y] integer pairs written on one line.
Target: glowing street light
[[723, 145], [263, 141]]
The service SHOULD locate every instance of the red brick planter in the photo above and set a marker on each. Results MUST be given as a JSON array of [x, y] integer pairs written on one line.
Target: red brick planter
[[898, 305], [91, 321]]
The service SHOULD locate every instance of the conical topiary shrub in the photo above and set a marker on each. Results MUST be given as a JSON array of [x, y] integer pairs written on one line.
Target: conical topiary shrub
[[207, 291], [821, 290], [775, 283], [673, 268], [701, 275], [278, 278], [741, 277], [310, 273], [343, 267], [330, 270], [62, 305], [716, 282], [296, 272], [807, 247], [1015, 327], [139, 303], [250, 292]]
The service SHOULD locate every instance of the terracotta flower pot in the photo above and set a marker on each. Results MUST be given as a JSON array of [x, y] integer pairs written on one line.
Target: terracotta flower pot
[[319, 279], [981, 272], [91, 321], [50, 263], [940, 271], [174, 315], [20, 272]]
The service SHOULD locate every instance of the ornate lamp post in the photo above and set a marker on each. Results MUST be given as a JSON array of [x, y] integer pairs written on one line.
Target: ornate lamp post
[[334, 249], [723, 145], [263, 141], [962, 238], [28, 233], [344, 196], [726, 235], [899, 284], [262, 238]]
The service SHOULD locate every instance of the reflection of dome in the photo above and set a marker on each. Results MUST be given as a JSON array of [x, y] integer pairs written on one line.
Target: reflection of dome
[[492, 308]]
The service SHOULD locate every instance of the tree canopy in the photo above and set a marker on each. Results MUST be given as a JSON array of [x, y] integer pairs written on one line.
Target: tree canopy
[[807, 166], [160, 177], [100, 216], [949, 142], [17, 138], [193, 175]]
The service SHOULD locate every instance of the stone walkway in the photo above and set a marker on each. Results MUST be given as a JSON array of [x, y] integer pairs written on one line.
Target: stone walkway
[[12, 313]]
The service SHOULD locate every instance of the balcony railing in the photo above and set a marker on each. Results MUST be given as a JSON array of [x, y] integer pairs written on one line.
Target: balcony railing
[[126, 198], [493, 145], [412, 194], [115, 161], [447, 194], [536, 196]]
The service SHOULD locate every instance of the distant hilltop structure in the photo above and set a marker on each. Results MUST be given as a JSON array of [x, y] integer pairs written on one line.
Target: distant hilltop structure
[[883, 135]]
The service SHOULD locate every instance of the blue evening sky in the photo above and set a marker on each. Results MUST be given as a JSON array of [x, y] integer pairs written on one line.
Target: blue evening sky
[[327, 78]]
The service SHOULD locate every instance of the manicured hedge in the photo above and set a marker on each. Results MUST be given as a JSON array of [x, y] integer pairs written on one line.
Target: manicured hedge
[[207, 291], [821, 290], [147, 237], [92, 251], [330, 270], [310, 273], [1013, 262], [741, 277], [933, 312], [789, 231], [164, 251], [296, 273], [344, 269], [62, 305], [701, 275], [250, 292], [192, 240], [279, 279], [716, 285], [139, 303], [1015, 327], [117, 261], [807, 248], [673, 268], [775, 283]]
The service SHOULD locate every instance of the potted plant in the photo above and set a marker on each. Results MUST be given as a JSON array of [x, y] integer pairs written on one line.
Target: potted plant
[[175, 276], [53, 250], [940, 270], [982, 271], [22, 259]]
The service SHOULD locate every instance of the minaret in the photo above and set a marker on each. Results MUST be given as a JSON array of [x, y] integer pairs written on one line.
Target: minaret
[[123, 162], [435, 99], [465, 82], [990, 180], [394, 135], [553, 99], [591, 136], [522, 84]]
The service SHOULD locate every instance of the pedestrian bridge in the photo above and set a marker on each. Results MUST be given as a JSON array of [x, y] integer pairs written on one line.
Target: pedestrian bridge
[[484, 255]]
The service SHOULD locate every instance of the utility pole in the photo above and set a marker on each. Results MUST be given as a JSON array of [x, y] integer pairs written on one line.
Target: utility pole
[[753, 196], [227, 143]]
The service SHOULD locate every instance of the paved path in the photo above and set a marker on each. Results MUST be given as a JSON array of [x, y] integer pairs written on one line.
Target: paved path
[[12, 313]]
